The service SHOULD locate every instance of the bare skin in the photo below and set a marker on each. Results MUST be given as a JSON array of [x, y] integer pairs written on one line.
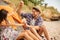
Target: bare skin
[[24, 34], [28, 35], [41, 30], [44, 30], [35, 33], [32, 35]]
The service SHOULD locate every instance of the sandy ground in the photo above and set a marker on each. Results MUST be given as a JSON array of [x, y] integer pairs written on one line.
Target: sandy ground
[[53, 29]]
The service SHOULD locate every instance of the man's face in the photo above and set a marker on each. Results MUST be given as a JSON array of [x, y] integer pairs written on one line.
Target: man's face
[[34, 12]]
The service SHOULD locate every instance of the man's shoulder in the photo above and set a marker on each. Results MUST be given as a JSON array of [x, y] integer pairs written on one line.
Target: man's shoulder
[[39, 17]]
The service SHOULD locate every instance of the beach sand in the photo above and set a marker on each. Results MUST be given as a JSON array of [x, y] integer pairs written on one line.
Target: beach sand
[[53, 29]]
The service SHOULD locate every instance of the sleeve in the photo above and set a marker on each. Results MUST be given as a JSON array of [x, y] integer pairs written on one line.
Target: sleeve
[[39, 22]]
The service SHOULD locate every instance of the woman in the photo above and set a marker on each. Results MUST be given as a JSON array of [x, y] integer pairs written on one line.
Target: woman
[[8, 33], [3, 15]]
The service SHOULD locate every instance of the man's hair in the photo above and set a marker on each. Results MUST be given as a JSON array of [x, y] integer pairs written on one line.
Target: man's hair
[[3, 15], [36, 9]]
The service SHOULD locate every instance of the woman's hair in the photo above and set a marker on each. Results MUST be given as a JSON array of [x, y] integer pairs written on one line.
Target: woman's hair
[[36, 9], [3, 15]]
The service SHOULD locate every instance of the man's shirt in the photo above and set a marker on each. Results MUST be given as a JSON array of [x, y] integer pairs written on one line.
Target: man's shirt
[[31, 20]]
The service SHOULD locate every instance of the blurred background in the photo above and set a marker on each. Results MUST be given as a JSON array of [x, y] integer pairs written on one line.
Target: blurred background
[[50, 12]]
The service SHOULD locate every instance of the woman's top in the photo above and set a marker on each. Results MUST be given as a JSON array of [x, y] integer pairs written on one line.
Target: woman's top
[[10, 34], [1, 30]]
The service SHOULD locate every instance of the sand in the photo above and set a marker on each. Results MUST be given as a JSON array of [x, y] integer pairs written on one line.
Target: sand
[[53, 29]]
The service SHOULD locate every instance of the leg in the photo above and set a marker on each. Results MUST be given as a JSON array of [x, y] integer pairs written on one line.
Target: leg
[[35, 32], [44, 30], [32, 35], [24, 34]]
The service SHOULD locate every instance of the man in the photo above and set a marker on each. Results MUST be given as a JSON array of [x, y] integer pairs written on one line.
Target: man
[[34, 22], [20, 11]]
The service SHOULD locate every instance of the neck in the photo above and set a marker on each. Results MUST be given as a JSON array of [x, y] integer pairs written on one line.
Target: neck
[[35, 16]]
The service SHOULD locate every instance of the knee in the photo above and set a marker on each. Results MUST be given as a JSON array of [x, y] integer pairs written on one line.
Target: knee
[[43, 28], [25, 33]]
